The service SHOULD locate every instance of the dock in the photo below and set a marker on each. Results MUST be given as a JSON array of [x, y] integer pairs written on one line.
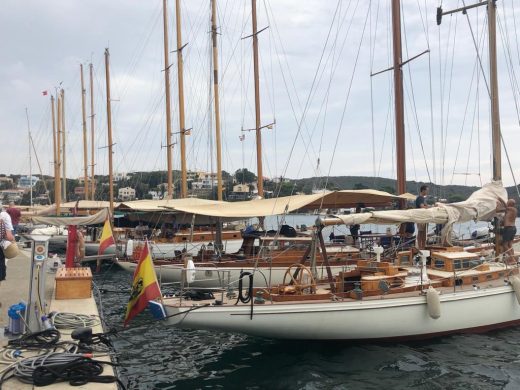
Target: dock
[[16, 289]]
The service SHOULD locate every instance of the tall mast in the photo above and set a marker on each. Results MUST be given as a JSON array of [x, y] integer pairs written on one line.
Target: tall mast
[[260, 179], [64, 145], [92, 146], [109, 124], [398, 98], [30, 157], [167, 101], [85, 144], [57, 150], [180, 82], [216, 97], [493, 75]]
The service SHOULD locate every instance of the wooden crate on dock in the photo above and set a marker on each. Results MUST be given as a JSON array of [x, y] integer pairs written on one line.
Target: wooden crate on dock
[[73, 283]]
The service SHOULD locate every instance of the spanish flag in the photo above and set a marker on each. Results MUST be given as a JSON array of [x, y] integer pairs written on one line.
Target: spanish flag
[[144, 287], [107, 238]]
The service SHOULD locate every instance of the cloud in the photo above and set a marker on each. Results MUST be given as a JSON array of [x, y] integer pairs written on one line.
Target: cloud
[[348, 115]]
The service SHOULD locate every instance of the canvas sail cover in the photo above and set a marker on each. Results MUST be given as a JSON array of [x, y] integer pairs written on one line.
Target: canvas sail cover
[[480, 206]]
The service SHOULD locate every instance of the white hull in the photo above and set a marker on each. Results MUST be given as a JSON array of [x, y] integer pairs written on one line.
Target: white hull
[[162, 250], [222, 277], [388, 318]]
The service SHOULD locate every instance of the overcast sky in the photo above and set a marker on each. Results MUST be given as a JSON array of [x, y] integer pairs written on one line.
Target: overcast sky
[[316, 58]]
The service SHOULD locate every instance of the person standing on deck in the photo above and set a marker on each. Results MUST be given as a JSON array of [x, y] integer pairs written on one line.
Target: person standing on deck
[[509, 228], [420, 203]]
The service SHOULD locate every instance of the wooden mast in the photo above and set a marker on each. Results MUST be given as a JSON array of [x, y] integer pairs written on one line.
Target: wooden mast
[[218, 230], [92, 147], [495, 113], [84, 125], [493, 76], [260, 179], [216, 97], [398, 99], [57, 154], [180, 82], [167, 101], [64, 145], [109, 125]]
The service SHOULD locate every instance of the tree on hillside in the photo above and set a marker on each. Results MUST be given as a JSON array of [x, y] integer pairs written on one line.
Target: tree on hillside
[[389, 189], [244, 176], [360, 186]]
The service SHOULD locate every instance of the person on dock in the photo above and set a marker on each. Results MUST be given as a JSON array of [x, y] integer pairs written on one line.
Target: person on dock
[[420, 203], [509, 228], [15, 215], [5, 234], [6, 218]]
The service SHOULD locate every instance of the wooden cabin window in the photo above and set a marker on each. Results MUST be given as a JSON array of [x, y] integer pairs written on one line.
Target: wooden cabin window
[[457, 264], [500, 274], [489, 276], [466, 263], [439, 264], [475, 279]]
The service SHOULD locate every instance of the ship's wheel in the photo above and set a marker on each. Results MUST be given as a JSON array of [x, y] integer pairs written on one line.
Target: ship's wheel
[[298, 279]]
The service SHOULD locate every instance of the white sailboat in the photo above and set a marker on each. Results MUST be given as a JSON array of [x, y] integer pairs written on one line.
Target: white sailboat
[[456, 292]]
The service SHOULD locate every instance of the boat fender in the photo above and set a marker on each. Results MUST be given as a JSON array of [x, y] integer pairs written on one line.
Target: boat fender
[[190, 271], [515, 283], [434, 303], [129, 248]]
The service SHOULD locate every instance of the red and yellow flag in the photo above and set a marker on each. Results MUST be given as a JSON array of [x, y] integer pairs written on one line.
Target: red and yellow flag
[[144, 287], [107, 238]]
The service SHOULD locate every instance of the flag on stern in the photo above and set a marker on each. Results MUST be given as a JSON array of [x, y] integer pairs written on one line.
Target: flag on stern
[[107, 238], [44, 93], [144, 287]]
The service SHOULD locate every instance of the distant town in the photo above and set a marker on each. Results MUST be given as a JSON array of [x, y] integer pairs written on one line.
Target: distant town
[[241, 185]]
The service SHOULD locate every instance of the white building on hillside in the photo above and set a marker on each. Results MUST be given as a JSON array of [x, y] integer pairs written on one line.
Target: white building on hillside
[[126, 193]]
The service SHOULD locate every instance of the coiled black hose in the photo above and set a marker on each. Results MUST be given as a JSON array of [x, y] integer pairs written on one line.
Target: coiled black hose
[[241, 297]]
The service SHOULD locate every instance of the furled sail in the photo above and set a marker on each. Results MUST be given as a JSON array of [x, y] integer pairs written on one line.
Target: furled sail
[[480, 206]]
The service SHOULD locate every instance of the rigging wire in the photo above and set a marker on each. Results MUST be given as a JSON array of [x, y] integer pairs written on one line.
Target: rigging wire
[[317, 78], [512, 77], [347, 99], [411, 96], [314, 81]]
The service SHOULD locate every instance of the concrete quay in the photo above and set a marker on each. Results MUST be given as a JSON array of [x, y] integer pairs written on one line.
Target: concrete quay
[[16, 288]]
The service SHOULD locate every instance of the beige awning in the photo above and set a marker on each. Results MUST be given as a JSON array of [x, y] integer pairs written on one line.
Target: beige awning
[[252, 208], [97, 218], [287, 204], [352, 198], [82, 205], [408, 196], [163, 204]]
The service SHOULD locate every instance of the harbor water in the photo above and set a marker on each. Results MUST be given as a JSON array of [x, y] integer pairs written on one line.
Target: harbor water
[[154, 355]]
